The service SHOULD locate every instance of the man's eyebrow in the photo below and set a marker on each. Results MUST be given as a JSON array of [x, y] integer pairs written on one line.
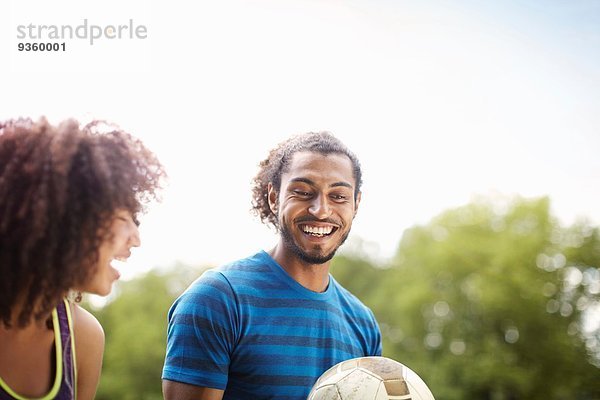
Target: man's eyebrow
[[303, 180], [344, 184], [312, 183]]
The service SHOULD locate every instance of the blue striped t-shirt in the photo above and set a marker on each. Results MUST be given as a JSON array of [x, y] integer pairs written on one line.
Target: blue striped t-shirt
[[252, 330]]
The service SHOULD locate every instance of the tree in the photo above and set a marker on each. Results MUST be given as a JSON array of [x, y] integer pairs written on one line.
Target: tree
[[135, 325], [488, 301]]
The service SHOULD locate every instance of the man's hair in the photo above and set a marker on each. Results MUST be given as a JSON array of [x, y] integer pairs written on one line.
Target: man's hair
[[59, 187], [278, 162]]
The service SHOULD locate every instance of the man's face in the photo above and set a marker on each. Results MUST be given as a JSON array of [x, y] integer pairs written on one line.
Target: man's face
[[315, 205]]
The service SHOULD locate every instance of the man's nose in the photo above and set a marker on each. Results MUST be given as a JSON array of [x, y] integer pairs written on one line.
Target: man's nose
[[320, 207]]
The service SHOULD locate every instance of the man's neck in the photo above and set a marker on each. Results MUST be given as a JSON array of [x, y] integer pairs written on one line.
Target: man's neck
[[314, 277]]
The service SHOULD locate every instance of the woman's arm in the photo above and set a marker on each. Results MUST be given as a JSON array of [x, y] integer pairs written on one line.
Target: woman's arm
[[89, 349]]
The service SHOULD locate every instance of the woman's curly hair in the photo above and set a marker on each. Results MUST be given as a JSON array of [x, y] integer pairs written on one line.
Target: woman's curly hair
[[278, 161], [59, 186]]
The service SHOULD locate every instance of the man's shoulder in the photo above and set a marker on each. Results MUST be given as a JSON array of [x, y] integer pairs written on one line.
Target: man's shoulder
[[230, 273], [222, 284], [349, 300], [255, 263]]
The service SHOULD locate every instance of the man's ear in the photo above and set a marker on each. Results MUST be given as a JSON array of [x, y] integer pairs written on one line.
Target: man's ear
[[357, 202], [273, 198]]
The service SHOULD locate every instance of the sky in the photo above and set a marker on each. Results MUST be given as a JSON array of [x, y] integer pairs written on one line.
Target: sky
[[442, 101]]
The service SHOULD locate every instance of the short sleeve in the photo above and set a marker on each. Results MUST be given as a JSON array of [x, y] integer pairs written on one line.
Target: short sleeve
[[202, 331], [376, 345]]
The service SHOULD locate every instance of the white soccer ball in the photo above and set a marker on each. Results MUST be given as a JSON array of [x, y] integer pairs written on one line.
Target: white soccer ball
[[370, 378]]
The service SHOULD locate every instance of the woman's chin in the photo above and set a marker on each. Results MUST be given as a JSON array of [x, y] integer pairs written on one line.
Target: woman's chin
[[98, 289]]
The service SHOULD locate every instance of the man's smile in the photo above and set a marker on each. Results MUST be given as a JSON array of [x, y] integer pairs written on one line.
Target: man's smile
[[317, 230]]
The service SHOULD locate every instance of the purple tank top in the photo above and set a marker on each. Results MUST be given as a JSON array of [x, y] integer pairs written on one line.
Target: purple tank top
[[64, 386]]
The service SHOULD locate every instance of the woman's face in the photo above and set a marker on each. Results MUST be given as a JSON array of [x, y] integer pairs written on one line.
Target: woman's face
[[123, 234]]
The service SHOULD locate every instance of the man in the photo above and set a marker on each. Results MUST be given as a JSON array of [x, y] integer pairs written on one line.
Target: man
[[266, 327]]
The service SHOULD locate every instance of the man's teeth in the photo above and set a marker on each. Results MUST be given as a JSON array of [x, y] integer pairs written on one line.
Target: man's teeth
[[317, 230]]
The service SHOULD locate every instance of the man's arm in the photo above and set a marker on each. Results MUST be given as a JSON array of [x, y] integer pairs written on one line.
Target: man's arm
[[181, 391], [201, 327]]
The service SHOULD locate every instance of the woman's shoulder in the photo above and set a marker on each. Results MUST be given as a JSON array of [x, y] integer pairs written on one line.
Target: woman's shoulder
[[89, 349], [86, 327]]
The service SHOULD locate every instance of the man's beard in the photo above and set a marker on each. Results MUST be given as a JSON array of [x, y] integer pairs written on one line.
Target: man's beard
[[290, 244]]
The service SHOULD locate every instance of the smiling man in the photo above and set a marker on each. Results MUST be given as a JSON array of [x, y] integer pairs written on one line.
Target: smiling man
[[266, 327]]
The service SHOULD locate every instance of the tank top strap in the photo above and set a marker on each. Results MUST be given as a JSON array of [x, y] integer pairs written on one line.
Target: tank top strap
[[64, 348], [68, 387]]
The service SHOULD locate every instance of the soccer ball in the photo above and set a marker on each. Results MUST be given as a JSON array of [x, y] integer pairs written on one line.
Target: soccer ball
[[370, 378]]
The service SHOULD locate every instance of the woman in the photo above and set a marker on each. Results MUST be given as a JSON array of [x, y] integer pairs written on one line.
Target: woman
[[69, 201]]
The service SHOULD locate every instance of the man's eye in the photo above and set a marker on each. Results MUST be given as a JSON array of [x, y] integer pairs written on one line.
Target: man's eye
[[339, 197], [301, 193]]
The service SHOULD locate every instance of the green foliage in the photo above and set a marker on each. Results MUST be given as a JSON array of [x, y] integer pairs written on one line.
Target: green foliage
[[487, 302], [135, 326]]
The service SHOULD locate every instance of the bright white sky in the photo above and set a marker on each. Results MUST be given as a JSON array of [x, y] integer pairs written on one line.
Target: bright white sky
[[442, 101]]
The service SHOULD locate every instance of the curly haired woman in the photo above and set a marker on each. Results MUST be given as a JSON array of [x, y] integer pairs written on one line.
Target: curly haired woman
[[69, 201]]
